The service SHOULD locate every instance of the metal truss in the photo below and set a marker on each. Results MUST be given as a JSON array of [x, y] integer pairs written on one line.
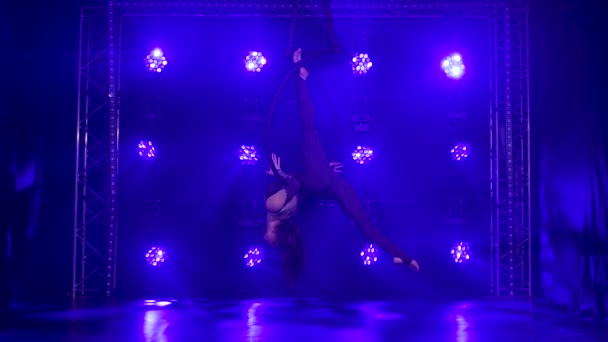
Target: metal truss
[[511, 191], [113, 91], [96, 181], [91, 199], [339, 8]]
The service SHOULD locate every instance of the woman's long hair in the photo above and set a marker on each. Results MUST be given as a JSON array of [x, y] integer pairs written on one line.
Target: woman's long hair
[[292, 249]]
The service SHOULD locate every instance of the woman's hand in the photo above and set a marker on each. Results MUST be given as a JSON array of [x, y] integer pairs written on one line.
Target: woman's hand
[[336, 167], [276, 161], [303, 73], [297, 56]]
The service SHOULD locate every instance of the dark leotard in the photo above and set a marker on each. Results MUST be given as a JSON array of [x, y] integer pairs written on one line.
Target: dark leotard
[[319, 178]]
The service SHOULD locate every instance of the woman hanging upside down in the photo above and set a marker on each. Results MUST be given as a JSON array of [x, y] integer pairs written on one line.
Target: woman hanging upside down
[[319, 176]]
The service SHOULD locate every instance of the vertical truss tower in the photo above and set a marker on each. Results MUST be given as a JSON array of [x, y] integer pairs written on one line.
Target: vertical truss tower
[[98, 109], [91, 198], [512, 261]]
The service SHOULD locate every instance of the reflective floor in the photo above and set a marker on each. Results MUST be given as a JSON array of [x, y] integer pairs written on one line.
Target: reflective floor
[[307, 320]]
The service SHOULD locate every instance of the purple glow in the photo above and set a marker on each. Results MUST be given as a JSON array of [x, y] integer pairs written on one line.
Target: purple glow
[[453, 66], [248, 155], [156, 60], [362, 155], [361, 63], [460, 151], [369, 255], [461, 253], [163, 303], [159, 303], [146, 150], [254, 257], [255, 61], [156, 256]]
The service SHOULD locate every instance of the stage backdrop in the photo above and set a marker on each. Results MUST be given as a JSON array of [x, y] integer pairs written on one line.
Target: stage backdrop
[[188, 198], [570, 139]]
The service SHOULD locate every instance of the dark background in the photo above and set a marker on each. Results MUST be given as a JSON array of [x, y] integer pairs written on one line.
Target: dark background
[[200, 182], [569, 174]]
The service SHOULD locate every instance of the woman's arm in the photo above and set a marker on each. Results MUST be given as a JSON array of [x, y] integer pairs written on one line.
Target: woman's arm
[[291, 186], [272, 231]]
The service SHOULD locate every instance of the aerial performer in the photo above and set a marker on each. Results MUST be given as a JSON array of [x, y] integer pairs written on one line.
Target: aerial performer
[[319, 176]]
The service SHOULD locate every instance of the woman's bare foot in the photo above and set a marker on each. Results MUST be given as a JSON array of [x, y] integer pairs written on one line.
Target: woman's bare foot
[[413, 264]]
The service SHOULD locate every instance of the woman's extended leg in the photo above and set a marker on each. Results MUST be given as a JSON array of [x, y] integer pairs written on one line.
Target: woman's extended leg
[[351, 204], [317, 172]]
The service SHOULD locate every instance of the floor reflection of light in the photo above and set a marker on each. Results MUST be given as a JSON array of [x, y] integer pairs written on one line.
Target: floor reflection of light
[[462, 326], [159, 303], [155, 326], [254, 329]]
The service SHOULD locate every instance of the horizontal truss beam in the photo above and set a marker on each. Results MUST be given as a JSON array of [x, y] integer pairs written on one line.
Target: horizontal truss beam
[[343, 8]]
